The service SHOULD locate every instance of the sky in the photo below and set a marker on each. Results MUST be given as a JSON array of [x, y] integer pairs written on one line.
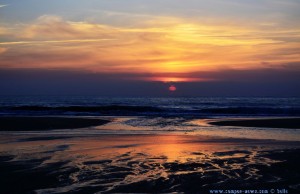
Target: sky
[[142, 47]]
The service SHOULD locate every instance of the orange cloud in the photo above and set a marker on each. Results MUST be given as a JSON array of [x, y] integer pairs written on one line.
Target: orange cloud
[[49, 27], [158, 45], [2, 50]]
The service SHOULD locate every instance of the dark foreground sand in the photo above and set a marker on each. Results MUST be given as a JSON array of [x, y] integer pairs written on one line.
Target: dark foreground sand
[[147, 164], [289, 123], [46, 123]]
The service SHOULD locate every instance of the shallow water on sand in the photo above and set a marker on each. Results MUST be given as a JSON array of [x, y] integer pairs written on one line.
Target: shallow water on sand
[[172, 125], [139, 154]]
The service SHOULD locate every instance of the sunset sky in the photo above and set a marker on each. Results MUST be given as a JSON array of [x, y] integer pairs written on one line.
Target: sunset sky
[[190, 42]]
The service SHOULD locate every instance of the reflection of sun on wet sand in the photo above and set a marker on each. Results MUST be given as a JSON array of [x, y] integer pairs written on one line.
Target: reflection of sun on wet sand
[[89, 162]]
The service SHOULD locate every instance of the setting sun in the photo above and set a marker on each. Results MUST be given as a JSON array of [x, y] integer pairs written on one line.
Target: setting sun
[[172, 88]]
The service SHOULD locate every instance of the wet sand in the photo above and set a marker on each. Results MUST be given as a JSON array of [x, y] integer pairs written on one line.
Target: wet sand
[[47, 123], [62, 162], [288, 123], [147, 163]]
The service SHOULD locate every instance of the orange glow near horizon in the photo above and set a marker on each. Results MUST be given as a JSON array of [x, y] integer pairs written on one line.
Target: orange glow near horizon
[[175, 79]]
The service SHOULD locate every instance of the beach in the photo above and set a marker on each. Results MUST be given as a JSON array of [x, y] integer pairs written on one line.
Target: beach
[[142, 155]]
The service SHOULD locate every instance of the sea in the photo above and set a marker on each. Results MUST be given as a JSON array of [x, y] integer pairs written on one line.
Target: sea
[[163, 107]]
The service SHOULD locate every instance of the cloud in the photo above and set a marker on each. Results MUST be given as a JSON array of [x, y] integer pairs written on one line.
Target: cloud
[[2, 50], [159, 45], [52, 41], [3, 6], [50, 27], [3, 31], [287, 73]]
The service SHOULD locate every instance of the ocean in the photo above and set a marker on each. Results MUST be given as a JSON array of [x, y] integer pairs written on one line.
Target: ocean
[[166, 107]]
